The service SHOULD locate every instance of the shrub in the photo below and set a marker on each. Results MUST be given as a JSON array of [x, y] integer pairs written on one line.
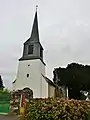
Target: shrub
[[57, 109]]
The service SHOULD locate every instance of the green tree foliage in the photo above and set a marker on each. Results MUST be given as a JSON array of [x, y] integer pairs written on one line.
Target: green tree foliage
[[76, 77]]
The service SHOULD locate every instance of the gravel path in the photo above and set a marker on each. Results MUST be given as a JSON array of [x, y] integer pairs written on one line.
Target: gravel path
[[8, 117]]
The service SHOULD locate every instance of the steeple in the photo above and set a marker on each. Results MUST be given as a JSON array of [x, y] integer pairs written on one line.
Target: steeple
[[35, 32], [32, 47]]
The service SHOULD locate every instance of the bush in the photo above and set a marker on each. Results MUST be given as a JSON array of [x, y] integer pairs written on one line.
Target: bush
[[57, 109]]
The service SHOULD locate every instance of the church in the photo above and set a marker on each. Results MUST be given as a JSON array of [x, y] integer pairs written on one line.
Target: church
[[31, 68]]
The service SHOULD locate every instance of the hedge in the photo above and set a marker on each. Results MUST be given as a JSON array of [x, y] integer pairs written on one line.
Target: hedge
[[4, 96], [57, 109]]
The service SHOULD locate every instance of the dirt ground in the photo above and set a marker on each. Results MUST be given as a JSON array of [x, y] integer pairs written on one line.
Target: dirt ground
[[8, 117]]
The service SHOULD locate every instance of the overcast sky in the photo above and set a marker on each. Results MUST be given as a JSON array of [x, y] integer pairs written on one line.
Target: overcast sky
[[64, 27]]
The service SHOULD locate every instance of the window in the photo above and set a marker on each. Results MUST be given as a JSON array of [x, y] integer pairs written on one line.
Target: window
[[27, 75], [30, 49], [41, 52]]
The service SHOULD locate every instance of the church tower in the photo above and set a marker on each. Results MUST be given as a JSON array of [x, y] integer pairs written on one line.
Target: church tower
[[31, 65]]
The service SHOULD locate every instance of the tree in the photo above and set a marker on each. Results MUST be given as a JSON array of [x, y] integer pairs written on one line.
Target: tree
[[1, 83], [76, 77]]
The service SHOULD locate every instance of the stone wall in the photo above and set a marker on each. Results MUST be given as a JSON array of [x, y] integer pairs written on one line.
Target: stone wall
[[16, 98]]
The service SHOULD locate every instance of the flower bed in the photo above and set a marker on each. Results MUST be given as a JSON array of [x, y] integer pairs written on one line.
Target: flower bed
[[57, 109]]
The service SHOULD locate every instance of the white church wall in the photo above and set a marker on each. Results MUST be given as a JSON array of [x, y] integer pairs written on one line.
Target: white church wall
[[51, 91], [44, 84], [34, 68]]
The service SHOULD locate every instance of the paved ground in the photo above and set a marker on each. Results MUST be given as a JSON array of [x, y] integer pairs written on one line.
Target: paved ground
[[8, 117]]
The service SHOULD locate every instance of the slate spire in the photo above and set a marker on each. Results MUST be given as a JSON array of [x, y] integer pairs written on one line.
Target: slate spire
[[35, 32], [32, 47]]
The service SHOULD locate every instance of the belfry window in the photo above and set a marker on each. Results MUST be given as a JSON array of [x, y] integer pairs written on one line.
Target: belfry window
[[41, 52], [30, 49]]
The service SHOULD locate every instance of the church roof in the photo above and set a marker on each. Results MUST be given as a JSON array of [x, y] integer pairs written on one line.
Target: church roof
[[35, 32], [31, 58], [49, 81]]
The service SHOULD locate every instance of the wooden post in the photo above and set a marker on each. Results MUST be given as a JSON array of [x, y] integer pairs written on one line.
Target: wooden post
[[22, 104]]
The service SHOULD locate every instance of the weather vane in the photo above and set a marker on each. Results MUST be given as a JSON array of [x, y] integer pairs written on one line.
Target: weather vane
[[36, 7]]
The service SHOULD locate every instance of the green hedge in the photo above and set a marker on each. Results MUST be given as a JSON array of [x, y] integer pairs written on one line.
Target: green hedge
[[4, 108], [57, 109], [4, 96]]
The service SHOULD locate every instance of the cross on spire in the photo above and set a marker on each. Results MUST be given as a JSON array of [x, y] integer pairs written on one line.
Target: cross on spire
[[36, 7]]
